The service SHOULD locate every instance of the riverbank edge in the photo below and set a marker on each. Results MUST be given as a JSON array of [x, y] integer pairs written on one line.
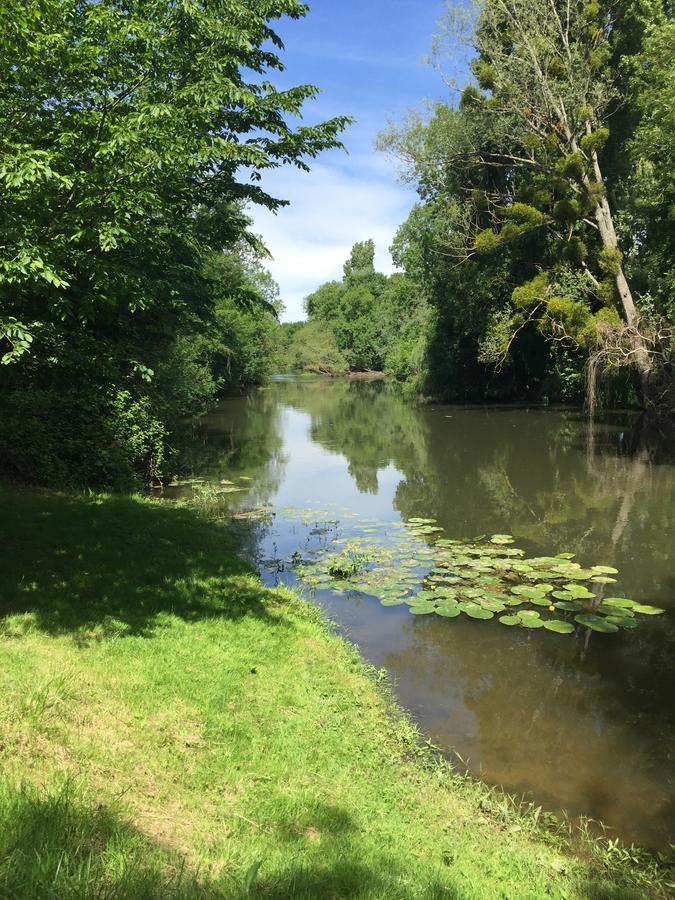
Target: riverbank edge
[[464, 836]]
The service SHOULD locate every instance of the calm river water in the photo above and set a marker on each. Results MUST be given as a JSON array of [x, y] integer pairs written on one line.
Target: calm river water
[[584, 725]]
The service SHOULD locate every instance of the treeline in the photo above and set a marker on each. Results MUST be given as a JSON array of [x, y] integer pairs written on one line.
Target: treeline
[[539, 260], [544, 237], [365, 322], [132, 137]]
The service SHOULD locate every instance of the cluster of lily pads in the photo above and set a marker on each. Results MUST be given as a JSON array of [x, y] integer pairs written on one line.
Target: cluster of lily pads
[[484, 577]]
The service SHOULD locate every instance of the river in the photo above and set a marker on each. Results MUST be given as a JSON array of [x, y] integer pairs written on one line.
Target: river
[[582, 722]]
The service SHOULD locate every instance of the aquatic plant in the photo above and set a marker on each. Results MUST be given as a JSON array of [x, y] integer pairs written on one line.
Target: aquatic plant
[[484, 577]]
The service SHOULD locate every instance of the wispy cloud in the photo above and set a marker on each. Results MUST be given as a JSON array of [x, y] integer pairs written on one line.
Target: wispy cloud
[[367, 57], [361, 57], [330, 210]]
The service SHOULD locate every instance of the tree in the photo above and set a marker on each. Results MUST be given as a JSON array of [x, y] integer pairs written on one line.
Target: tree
[[377, 321], [134, 133], [125, 128], [520, 164]]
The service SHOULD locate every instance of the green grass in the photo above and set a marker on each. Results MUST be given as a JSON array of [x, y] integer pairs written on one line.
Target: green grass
[[170, 728]]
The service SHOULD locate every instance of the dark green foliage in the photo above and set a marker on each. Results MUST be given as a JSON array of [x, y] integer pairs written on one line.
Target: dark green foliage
[[571, 166], [530, 180], [566, 211]]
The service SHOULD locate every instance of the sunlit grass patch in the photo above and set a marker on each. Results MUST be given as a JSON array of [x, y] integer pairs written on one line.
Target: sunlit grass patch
[[170, 727]]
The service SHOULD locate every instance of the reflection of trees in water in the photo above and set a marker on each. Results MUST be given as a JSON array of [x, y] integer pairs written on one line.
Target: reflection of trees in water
[[606, 507], [536, 712], [241, 436], [366, 422], [529, 473]]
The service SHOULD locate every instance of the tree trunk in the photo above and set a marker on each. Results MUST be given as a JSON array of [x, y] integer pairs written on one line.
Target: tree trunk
[[642, 359]]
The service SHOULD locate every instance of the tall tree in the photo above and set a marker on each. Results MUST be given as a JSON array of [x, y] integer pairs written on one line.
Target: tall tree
[[132, 133], [520, 164]]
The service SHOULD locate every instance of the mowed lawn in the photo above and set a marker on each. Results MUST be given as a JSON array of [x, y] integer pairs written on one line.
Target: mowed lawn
[[170, 728]]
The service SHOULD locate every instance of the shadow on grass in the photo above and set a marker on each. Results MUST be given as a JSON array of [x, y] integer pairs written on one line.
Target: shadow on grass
[[62, 845], [57, 846], [117, 563], [327, 858]]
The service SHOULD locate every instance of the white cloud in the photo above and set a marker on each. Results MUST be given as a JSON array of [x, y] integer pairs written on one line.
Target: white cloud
[[330, 209]]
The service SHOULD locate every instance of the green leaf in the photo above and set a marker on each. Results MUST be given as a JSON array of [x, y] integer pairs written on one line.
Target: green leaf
[[529, 622], [568, 605], [596, 623], [622, 621], [450, 611], [509, 620], [491, 604], [523, 590], [501, 539], [558, 626], [648, 610], [422, 610], [476, 612]]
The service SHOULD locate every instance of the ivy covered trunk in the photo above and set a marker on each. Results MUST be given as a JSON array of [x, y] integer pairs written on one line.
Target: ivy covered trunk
[[641, 359]]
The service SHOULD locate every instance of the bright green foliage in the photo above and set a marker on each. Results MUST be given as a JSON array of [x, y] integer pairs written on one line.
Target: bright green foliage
[[132, 136], [378, 322], [307, 347]]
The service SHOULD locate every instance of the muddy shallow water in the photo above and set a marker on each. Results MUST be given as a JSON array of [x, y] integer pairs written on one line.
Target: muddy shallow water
[[581, 722]]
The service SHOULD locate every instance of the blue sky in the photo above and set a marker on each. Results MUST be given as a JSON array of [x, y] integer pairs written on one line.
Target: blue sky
[[367, 57]]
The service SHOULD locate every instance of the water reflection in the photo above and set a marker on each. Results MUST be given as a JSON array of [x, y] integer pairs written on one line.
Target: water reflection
[[583, 725]]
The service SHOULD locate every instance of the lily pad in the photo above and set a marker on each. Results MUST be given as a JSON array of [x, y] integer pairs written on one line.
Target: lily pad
[[509, 620], [568, 605], [450, 611], [492, 604], [621, 602], [605, 570], [579, 592], [422, 609], [622, 621], [596, 623], [529, 591], [530, 622], [648, 610], [392, 601], [609, 610], [558, 626], [501, 539], [476, 612]]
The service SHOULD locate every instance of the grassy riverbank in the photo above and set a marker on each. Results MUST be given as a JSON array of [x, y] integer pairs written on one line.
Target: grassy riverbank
[[170, 728]]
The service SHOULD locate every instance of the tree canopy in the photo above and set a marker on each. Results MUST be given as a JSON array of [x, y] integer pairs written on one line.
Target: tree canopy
[[133, 136], [525, 177]]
